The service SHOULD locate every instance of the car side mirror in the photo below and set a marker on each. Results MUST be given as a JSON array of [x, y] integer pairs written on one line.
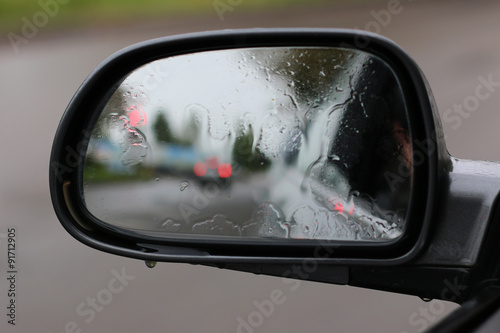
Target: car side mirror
[[254, 150]]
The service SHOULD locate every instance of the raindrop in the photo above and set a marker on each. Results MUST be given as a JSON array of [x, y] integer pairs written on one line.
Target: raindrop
[[334, 157], [170, 225], [184, 185], [151, 264]]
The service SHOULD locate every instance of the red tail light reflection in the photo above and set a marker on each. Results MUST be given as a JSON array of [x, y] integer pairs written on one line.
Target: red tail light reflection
[[339, 207], [200, 169], [223, 169], [212, 162], [137, 116]]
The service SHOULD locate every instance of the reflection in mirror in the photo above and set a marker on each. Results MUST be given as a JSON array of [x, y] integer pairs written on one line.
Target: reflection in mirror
[[295, 143]]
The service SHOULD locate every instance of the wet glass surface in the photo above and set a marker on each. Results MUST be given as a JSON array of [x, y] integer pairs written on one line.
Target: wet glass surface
[[295, 143]]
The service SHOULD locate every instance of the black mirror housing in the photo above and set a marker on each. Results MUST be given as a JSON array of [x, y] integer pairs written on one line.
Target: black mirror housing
[[271, 256]]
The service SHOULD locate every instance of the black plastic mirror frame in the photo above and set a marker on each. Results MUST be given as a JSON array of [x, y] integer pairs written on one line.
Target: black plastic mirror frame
[[72, 137]]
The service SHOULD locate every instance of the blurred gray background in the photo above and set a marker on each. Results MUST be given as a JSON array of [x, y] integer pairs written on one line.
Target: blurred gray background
[[454, 42]]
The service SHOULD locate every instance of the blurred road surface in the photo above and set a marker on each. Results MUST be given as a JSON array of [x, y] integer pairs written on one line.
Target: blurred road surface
[[454, 42]]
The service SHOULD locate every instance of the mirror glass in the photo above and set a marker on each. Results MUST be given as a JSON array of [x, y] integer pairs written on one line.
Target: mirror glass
[[284, 143]]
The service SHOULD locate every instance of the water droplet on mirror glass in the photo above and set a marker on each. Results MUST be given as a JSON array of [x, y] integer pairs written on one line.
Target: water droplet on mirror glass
[[184, 185], [170, 225]]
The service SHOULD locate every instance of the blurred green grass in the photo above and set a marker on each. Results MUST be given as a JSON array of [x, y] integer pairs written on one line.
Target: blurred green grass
[[76, 13]]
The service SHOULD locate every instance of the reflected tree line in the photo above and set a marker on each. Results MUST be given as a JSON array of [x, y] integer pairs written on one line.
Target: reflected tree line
[[244, 155]]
